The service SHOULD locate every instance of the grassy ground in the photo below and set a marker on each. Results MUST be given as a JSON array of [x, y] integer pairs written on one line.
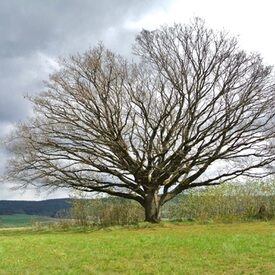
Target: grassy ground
[[21, 220], [184, 248]]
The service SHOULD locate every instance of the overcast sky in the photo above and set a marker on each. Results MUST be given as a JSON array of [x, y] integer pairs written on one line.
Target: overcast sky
[[35, 33]]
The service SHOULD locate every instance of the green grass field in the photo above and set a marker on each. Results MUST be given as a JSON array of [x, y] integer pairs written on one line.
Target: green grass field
[[247, 248], [21, 220]]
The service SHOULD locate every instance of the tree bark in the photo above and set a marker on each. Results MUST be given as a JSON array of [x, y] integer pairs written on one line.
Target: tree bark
[[152, 208]]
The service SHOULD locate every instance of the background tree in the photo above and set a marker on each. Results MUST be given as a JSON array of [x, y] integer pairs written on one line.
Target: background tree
[[195, 111]]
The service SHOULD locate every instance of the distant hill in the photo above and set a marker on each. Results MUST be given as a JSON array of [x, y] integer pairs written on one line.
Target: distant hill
[[50, 208]]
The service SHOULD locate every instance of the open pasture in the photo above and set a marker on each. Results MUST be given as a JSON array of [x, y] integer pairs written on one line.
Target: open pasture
[[183, 248]]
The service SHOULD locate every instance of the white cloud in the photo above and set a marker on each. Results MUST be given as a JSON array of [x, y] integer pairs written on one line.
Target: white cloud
[[253, 21], [8, 193]]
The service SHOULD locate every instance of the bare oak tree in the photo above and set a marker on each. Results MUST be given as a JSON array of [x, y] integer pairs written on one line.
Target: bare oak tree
[[195, 111]]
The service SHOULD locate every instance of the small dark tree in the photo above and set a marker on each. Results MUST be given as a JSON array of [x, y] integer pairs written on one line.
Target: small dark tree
[[196, 111]]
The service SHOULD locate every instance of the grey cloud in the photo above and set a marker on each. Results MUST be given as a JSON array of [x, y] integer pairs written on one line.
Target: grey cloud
[[55, 28], [36, 25]]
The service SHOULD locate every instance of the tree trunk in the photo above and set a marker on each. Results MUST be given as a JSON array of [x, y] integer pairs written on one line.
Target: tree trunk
[[152, 208]]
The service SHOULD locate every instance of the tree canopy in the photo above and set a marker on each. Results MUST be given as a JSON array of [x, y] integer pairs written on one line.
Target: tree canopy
[[194, 110]]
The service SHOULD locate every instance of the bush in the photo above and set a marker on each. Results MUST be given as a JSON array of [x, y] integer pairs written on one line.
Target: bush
[[105, 211], [228, 202]]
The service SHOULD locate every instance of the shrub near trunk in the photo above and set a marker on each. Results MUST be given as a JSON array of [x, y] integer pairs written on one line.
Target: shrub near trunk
[[106, 211]]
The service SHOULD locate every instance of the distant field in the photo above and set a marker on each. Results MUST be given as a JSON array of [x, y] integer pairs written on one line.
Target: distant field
[[184, 248], [21, 220]]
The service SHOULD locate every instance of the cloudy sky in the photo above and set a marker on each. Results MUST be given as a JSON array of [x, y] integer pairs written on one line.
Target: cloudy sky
[[35, 33]]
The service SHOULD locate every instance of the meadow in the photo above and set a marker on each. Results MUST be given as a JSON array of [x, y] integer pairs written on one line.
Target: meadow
[[16, 220], [166, 248]]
